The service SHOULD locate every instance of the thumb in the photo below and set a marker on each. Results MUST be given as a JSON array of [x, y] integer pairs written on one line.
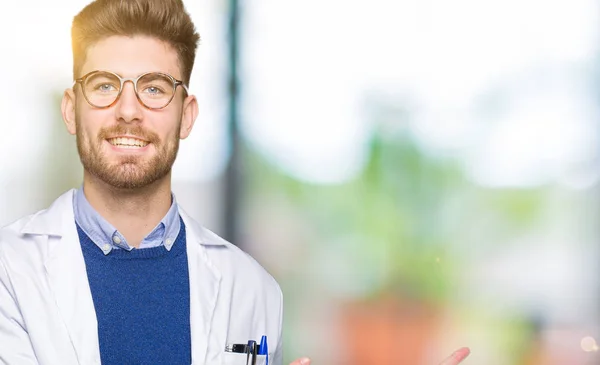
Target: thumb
[[301, 361], [457, 357]]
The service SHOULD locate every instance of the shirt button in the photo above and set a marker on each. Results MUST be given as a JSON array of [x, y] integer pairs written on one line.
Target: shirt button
[[169, 241], [116, 239], [106, 247]]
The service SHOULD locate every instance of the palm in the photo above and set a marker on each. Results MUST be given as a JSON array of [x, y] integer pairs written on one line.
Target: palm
[[456, 358]]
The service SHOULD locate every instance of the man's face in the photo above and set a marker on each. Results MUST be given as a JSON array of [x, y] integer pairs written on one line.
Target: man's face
[[128, 146]]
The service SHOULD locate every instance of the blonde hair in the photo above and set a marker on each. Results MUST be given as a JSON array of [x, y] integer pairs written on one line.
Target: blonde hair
[[166, 20]]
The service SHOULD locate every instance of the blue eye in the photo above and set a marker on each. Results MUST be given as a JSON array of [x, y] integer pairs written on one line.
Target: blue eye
[[105, 87], [153, 90]]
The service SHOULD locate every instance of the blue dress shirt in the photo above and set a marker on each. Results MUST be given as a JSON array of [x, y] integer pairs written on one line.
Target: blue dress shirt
[[107, 238]]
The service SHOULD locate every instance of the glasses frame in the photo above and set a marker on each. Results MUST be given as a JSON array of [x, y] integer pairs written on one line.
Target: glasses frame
[[134, 81]]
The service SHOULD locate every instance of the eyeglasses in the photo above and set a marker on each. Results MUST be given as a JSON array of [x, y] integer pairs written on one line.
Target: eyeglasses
[[154, 90]]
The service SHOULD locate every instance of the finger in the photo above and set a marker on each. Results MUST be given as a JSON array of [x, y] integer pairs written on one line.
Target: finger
[[456, 358], [302, 361]]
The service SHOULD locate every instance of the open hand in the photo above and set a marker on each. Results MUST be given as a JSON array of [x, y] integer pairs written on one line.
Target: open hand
[[456, 358]]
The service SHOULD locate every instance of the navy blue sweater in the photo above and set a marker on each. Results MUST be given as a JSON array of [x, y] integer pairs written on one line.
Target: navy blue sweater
[[142, 301]]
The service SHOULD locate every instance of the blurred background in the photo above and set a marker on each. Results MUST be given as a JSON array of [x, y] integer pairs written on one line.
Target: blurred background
[[417, 175]]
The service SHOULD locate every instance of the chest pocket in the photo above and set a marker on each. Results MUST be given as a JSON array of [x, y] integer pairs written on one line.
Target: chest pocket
[[231, 358]]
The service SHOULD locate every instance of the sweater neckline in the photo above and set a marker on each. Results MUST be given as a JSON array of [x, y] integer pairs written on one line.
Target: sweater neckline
[[179, 247]]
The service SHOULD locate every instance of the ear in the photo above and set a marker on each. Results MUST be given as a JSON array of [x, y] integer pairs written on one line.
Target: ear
[[67, 108], [188, 117]]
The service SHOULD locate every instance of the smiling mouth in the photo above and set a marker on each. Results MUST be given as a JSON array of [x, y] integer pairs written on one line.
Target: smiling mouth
[[127, 142]]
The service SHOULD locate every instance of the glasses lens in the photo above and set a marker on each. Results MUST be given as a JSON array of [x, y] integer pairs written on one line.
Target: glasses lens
[[155, 90], [101, 88]]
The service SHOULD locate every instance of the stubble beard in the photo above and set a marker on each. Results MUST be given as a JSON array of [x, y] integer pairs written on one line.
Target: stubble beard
[[128, 172]]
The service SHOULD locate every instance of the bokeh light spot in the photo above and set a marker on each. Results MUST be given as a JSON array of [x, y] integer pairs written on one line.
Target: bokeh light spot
[[588, 344]]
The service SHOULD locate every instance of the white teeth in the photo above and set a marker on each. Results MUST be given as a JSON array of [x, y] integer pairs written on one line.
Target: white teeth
[[128, 142]]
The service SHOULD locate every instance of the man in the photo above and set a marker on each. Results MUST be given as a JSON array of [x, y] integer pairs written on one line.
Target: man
[[116, 272]]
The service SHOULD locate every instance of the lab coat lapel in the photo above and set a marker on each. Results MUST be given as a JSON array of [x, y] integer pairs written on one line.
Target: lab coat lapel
[[67, 277], [205, 281]]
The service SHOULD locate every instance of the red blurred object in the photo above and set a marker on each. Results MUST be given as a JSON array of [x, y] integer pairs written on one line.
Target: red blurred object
[[388, 331]]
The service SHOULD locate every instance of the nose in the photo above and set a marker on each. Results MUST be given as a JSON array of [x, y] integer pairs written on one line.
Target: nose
[[128, 108]]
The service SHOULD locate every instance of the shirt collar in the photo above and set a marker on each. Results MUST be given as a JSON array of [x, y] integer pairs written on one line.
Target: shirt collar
[[105, 235]]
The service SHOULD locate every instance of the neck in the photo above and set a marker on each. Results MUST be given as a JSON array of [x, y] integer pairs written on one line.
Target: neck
[[133, 212]]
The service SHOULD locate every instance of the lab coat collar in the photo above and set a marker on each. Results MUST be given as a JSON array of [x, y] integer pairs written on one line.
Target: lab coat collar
[[67, 276], [56, 220]]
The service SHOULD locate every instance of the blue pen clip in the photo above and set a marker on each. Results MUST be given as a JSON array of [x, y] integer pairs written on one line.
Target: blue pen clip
[[251, 352], [263, 348]]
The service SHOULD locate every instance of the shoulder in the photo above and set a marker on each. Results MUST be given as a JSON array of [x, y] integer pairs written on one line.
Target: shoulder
[[23, 230], [232, 262], [11, 234], [14, 250], [20, 251], [27, 237], [49, 222], [243, 263], [14, 228]]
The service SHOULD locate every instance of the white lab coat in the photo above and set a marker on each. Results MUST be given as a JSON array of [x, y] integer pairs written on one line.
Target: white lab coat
[[47, 314]]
